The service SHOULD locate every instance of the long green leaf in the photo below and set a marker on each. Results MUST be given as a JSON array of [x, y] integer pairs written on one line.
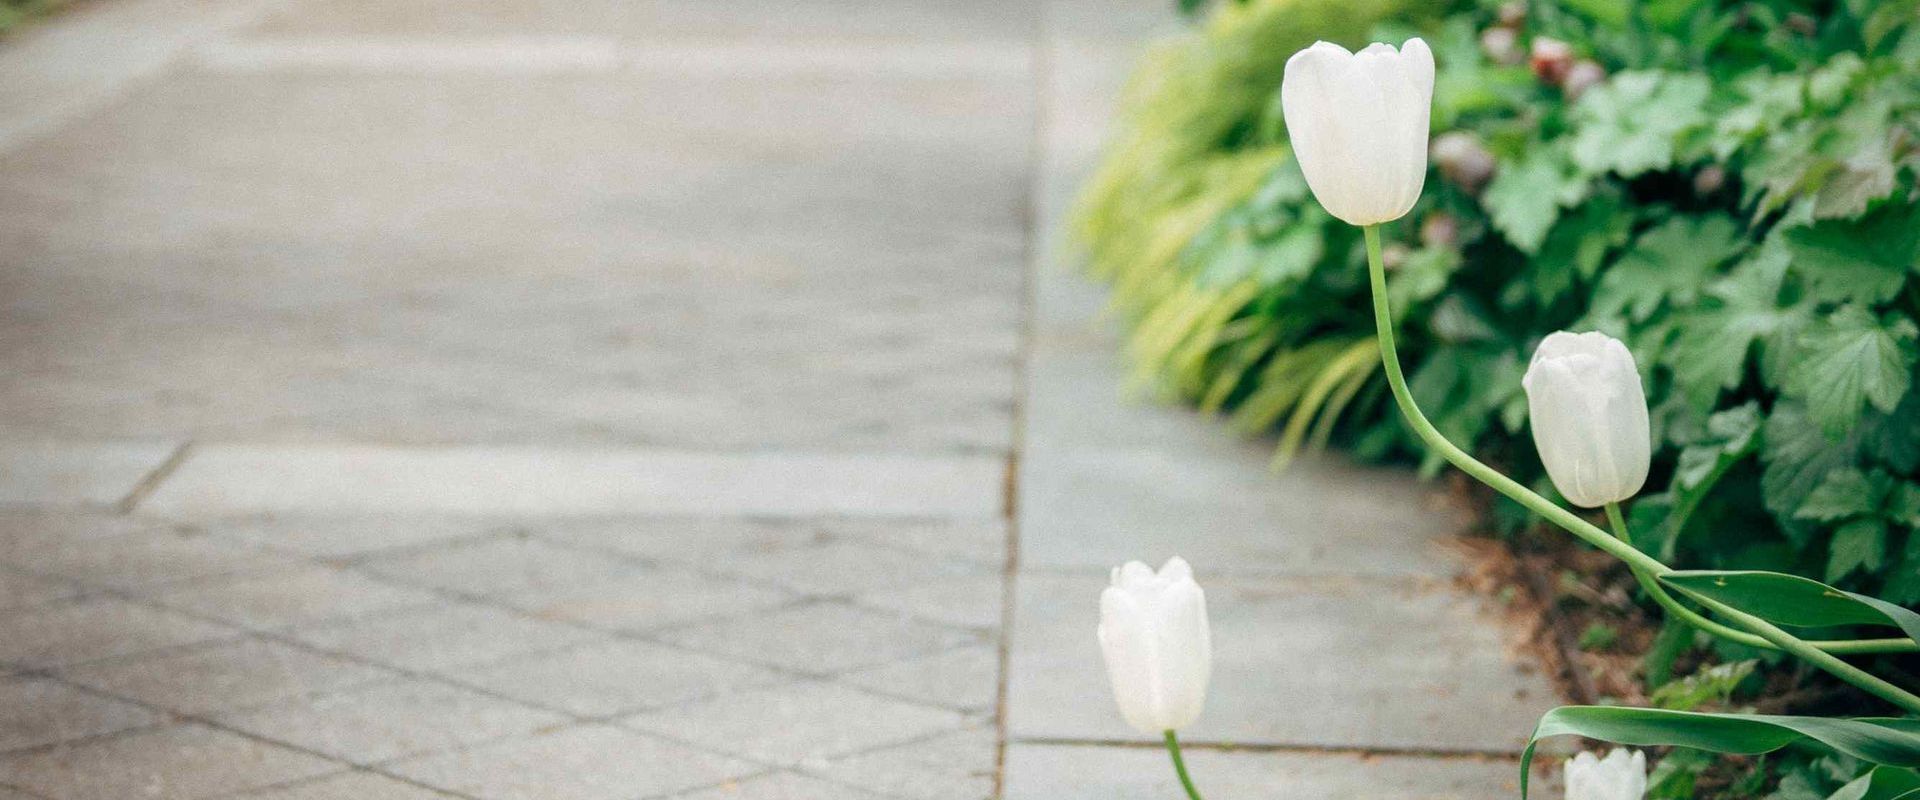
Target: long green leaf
[[1883, 783], [1892, 742], [1793, 600]]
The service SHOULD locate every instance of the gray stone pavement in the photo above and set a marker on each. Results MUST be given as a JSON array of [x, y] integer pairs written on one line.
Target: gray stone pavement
[[640, 399]]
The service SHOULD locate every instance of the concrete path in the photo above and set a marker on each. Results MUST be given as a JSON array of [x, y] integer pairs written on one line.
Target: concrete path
[[615, 399]]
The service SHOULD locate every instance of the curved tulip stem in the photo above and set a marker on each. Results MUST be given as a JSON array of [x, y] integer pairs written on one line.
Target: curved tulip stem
[[1666, 600], [1673, 606], [1820, 658], [1390, 360], [1180, 766], [1547, 509]]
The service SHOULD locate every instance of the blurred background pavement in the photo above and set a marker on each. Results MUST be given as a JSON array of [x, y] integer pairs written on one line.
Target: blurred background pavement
[[611, 399]]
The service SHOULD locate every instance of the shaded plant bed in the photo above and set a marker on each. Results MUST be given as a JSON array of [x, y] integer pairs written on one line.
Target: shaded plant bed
[[1580, 614]]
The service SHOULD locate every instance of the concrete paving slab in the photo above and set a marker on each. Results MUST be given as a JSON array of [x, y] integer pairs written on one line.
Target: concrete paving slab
[[441, 638], [187, 761], [667, 293], [24, 590], [505, 565], [287, 598], [60, 71], [603, 56], [1079, 396], [390, 720], [966, 679], [840, 567], [797, 723], [1093, 508], [348, 786], [139, 559], [229, 479], [690, 540], [39, 711], [952, 766], [821, 638], [966, 601], [779, 786], [1336, 663], [825, 21], [76, 473], [27, 528], [1069, 772], [608, 678], [349, 536], [982, 542], [221, 676], [657, 598], [97, 628], [585, 762]]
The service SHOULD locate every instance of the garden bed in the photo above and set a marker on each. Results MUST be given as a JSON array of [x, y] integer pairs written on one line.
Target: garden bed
[[1731, 189]]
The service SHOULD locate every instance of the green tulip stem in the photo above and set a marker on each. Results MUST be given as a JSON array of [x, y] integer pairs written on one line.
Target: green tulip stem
[[1820, 658], [1637, 561], [1180, 766], [1673, 606], [1390, 359]]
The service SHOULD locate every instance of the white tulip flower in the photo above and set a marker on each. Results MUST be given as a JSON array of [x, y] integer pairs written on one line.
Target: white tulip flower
[[1358, 123], [1622, 775], [1159, 652], [1589, 416]]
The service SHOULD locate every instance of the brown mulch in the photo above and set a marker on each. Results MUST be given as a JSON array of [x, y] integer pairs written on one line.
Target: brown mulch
[[1550, 589]]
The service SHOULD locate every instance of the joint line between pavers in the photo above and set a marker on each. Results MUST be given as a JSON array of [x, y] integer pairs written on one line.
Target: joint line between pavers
[[1281, 747], [1037, 163], [153, 479], [283, 636]]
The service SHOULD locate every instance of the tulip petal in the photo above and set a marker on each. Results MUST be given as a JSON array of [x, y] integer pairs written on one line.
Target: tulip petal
[[1589, 416], [1153, 634], [1358, 125]]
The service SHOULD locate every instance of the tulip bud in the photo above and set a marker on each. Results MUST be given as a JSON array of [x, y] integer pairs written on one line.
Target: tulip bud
[[1550, 59], [1358, 123], [1463, 161], [1153, 632], [1502, 46], [1583, 75], [1589, 417], [1619, 776]]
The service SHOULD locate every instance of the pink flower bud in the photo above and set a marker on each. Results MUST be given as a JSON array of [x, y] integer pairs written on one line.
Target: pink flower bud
[[1440, 229], [1513, 13], [1583, 75], [1550, 59], [1502, 46], [1463, 161], [1709, 180]]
